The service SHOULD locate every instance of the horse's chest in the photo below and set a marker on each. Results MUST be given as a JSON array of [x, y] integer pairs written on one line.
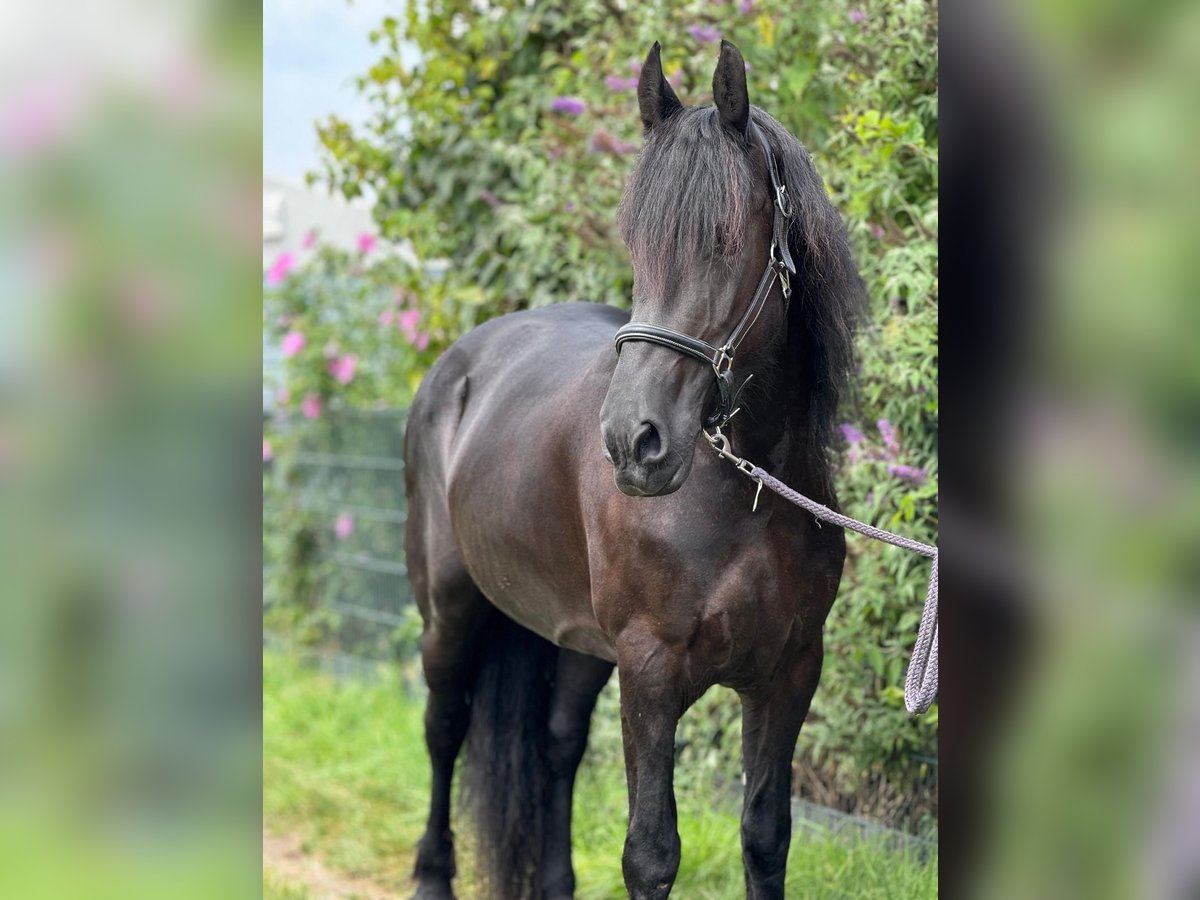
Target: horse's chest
[[739, 634], [733, 621]]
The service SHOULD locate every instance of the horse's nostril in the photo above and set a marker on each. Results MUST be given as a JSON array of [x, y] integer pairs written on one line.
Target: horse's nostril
[[647, 444], [610, 443]]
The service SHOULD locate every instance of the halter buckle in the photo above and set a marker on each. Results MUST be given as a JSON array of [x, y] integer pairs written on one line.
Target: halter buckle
[[724, 363], [783, 201]]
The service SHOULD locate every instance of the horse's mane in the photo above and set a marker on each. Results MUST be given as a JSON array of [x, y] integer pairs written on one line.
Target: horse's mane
[[692, 189]]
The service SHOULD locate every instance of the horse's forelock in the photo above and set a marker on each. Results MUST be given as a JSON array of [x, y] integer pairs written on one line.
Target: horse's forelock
[[688, 196]]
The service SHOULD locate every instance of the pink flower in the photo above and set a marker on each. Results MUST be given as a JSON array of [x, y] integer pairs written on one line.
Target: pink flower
[[293, 343], [857, 16], [268, 454], [283, 396], [283, 264], [385, 318], [877, 231], [344, 526], [311, 406], [342, 368], [746, 7], [366, 243], [309, 240], [422, 341], [37, 121], [408, 320]]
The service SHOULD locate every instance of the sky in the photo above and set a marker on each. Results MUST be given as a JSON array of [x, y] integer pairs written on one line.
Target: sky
[[312, 50]]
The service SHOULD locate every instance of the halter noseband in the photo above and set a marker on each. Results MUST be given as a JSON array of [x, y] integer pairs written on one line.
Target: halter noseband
[[721, 358]]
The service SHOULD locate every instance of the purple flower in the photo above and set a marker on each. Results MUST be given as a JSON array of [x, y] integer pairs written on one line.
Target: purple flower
[[619, 85], [857, 16], [852, 434], [571, 106], [746, 7], [343, 527], [704, 34], [635, 66], [890, 438], [907, 473]]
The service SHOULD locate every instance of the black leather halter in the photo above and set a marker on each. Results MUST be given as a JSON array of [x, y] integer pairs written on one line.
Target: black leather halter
[[720, 358]]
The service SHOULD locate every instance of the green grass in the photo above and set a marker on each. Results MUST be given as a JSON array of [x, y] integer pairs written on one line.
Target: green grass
[[277, 888], [344, 769]]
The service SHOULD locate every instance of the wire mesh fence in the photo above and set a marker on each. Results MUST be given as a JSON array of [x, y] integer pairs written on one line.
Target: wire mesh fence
[[340, 506]]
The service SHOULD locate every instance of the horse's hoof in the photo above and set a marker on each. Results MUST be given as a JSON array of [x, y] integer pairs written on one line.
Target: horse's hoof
[[434, 891]]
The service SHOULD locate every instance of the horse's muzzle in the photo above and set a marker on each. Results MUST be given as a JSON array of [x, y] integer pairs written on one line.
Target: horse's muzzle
[[645, 464]]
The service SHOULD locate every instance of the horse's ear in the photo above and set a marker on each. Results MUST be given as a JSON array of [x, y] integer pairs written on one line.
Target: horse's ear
[[729, 89], [655, 97]]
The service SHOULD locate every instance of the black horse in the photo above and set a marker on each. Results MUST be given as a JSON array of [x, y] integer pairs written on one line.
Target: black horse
[[535, 575]]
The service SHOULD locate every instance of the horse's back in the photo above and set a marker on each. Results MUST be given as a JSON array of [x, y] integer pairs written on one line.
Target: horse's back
[[514, 359], [501, 432]]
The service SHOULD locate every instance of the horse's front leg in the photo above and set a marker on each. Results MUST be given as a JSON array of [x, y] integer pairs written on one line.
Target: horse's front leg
[[650, 709], [771, 718]]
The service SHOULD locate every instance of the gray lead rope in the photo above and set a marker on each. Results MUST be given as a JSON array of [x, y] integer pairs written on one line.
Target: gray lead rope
[[921, 682]]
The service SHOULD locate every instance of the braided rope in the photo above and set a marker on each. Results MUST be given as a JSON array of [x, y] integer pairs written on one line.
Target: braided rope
[[921, 681]]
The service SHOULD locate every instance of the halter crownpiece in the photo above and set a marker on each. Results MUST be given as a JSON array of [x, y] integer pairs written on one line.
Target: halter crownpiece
[[779, 266]]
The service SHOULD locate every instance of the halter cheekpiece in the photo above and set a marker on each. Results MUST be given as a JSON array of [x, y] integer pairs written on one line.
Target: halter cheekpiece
[[780, 266]]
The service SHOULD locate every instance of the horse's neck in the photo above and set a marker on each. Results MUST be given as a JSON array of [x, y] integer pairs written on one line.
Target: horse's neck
[[773, 429]]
